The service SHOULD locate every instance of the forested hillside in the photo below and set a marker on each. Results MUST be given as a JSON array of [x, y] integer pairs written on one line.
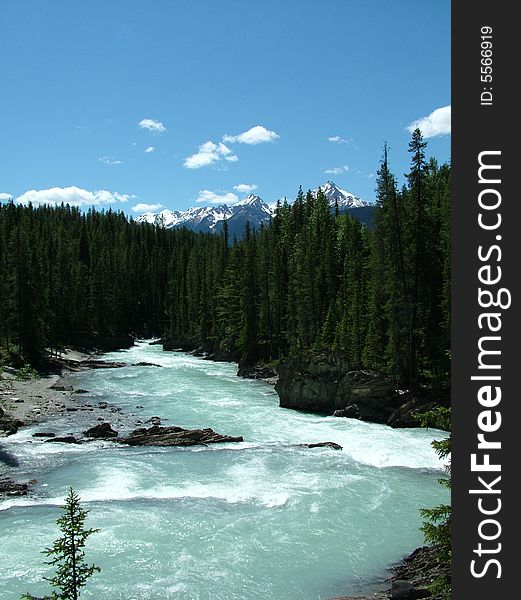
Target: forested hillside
[[310, 279]]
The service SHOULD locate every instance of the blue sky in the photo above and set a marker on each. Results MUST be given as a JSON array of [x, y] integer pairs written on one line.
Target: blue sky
[[125, 103]]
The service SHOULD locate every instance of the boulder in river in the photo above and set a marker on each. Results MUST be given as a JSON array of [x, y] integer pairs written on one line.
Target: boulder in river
[[66, 439], [44, 434], [176, 436], [333, 445], [8, 487], [101, 431], [93, 363]]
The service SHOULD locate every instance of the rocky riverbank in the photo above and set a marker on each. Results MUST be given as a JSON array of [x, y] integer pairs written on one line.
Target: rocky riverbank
[[411, 579], [323, 383]]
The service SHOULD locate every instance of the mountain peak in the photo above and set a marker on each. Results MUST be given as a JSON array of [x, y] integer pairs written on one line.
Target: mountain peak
[[336, 195], [252, 199]]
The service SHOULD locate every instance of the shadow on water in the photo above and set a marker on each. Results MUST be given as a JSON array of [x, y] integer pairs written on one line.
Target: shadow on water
[[8, 459]]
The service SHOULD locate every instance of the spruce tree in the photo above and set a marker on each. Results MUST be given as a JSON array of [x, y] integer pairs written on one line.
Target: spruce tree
[[67, 552]]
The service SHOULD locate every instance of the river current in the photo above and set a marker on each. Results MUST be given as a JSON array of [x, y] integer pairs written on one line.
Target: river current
[[265, 519]]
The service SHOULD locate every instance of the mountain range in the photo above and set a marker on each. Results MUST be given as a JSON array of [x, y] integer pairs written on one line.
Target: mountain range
[[251, 209]]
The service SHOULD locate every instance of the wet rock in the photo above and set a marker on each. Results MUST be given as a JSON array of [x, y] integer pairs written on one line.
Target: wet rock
[[44, 434], [8, 487], [9, 426], [333, 445], [351, 411], [146, 364], [102, 405], [176, 436], [67, 439], [102, 364], [71, 409], [103, 430], [81, 391], [420, 569], [256, 372], [401, 590], [154, 421]]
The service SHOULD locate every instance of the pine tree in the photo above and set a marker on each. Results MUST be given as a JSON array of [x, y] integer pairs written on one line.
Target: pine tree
[[67, 553]]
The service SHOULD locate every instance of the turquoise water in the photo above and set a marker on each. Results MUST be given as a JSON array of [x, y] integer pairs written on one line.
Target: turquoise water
[[261, 520]]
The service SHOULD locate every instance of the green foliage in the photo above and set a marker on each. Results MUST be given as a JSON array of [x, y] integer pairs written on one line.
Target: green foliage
[[26, 373], [436, 526], [67, 552]]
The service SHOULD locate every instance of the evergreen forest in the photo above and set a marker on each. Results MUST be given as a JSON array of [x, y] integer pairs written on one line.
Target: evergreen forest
[[312, 279]]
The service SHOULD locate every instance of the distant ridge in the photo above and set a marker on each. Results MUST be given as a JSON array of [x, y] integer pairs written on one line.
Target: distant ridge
[[251, 209]]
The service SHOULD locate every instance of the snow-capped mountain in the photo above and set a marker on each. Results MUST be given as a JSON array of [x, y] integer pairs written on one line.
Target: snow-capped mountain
[[251, 209], [345, 199], [191, 218], [210, 218]]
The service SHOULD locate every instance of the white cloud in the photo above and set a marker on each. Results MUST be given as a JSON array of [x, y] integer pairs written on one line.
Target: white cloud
[[245, 188], [212, 198], [108, 160], [152, 125], [208, 154], [5, 196], [255, 135], [142, 207], [437, 123], [71, 195], [336, 139], [338, 170], [150, 149]]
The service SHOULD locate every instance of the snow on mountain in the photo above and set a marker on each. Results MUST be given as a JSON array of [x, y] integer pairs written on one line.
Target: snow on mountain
[[252, 209], [344, 198], [210, 218]]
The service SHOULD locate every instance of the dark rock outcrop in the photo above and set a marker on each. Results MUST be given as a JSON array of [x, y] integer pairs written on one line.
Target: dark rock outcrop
[[256, 372], [93, 363], [44, 434], [8, 487], [315, 384], [101, 431], [420, 569], [333, 445], [175, 436], [67, 439], [323, 383], [9, 426]]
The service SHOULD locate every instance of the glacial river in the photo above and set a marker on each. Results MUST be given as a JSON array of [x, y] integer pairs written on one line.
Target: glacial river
[[265, 519]]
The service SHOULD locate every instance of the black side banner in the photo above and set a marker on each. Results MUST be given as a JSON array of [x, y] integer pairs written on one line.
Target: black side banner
[[485, 296]]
